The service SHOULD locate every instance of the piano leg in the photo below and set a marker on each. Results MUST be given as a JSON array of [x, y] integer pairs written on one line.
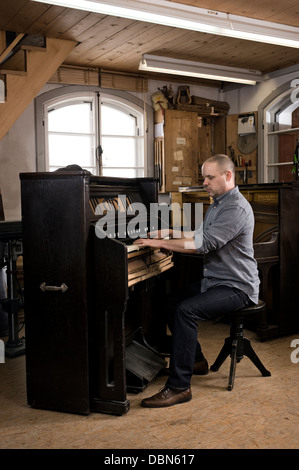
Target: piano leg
[[265, 327]]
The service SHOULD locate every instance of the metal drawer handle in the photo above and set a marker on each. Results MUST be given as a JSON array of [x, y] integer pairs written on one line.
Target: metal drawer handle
[[62, 288]]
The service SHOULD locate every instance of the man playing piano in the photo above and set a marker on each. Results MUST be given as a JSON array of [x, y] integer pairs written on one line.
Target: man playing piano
[[230, 277]]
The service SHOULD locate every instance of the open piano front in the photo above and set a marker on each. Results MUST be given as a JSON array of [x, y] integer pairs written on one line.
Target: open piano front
[[91, 306]]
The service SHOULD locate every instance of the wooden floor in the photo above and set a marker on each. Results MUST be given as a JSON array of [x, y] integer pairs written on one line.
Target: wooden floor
[[260, 412]]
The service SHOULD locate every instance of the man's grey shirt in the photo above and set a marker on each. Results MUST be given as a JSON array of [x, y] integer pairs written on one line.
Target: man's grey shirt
[[227, 244]]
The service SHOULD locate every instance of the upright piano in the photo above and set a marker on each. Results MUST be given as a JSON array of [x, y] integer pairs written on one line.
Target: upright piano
[[276, 246], [91, 296]]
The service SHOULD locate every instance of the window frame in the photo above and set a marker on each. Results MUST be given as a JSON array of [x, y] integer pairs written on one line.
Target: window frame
[[280, 94], [138, 115], [67, 92], [62, 103]]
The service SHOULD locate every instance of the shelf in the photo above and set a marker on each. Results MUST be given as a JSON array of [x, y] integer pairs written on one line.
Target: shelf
[[291, 130], [280, 164]]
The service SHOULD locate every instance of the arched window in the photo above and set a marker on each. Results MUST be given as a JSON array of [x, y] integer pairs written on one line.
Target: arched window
[[103, 133], [70, 133], [277, 135], [122, 139]]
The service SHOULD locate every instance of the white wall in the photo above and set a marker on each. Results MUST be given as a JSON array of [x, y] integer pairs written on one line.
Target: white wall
[[17, 154], [248, 99], [18, 150]]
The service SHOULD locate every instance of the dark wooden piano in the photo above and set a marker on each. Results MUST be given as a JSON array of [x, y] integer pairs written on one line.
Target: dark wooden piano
[[92, 327], [276, 246]]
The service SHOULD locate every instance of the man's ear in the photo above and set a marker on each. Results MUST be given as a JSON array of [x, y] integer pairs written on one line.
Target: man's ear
[[229, 175]]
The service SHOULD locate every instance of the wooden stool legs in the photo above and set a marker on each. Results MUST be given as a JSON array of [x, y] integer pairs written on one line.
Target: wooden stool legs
[[237, 347]]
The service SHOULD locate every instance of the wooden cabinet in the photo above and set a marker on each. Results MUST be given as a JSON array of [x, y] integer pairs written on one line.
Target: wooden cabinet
[[181, 149], [189, 138], [186, 141]]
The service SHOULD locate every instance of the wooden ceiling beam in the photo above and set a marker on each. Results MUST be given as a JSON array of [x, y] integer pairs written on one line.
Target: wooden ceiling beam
[[21, 90], [8, 50]]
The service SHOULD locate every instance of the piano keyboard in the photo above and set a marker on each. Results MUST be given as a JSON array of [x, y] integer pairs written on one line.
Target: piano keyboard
[[144, 263]]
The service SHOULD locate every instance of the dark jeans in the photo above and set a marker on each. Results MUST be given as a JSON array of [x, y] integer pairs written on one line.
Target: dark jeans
[[184, 325]]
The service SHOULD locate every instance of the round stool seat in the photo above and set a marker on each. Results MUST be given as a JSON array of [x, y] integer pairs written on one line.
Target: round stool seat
[[252, 310]]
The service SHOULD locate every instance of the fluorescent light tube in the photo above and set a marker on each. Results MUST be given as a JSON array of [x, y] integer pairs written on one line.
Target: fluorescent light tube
[[153, 63], [192, 18]]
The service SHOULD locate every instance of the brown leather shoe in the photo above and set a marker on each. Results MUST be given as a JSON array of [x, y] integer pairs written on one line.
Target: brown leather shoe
[[167, 397], [201, 367]]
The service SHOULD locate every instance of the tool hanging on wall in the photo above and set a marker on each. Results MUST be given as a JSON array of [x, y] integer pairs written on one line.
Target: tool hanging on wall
[[232, 154], [247, 143], [245, 174], [247, 136]]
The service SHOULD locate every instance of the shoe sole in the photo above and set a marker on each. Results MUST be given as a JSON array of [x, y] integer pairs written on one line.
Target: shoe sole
[[166, 406]]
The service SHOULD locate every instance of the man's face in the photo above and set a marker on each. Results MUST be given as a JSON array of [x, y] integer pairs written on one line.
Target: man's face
[[215, 183]]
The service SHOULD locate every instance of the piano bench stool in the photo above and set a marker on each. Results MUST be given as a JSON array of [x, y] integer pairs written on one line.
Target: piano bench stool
[[237, 346]]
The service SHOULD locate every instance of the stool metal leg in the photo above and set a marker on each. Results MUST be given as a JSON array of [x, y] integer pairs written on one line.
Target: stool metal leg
[[237, 347], [236, 332], [249, 352], [233, 365], [224, 353]]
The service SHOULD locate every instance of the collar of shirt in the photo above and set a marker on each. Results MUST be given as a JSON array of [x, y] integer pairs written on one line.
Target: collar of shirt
[[223, 197]]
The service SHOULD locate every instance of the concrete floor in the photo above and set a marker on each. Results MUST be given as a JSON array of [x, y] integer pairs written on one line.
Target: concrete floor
[[260, 412]]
